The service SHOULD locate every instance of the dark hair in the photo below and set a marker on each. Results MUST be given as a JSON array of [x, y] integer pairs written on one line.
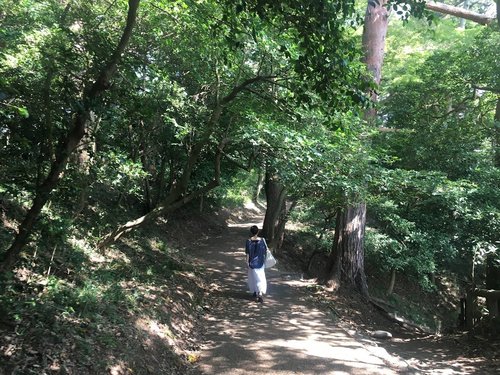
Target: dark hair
[[254, 229]]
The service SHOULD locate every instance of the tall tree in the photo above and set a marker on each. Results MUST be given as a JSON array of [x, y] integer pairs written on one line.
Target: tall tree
[[496, 123], [72, 139], [441, 134], [348, 242], [493, 258], [347, 257]]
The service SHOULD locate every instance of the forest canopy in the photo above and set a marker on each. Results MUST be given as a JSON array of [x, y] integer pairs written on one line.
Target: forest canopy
[[116, 113]]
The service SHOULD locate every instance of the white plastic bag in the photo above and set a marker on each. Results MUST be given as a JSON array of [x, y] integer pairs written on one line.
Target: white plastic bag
[[270, 260]]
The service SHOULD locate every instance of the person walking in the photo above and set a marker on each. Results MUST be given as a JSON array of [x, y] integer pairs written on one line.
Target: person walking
[[255, 250]]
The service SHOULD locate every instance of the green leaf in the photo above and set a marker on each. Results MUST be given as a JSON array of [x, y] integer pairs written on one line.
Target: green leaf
[[23, 112]]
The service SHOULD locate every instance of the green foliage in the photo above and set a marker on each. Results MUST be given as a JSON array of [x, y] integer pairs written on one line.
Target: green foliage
[[258, 59], [385, 251], [312, 36], [435, 199], [237, 190], [426, 222], [120, 173], [308, 240], [288, 82], [312, 241], [320, 157], [318, 216]]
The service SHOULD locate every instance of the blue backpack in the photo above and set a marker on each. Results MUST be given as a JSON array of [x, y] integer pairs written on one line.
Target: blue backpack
[[256, 253]]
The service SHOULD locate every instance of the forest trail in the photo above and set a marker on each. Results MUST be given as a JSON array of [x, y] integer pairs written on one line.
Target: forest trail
[[284, 335]]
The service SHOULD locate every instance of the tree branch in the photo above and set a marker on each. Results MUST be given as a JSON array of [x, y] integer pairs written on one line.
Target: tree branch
[[166, 209], [247, 167], [236, 90], [459, 12]]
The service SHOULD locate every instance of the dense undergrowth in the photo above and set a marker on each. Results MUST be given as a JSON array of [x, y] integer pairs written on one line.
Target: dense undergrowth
[[70, 309], [434, 309]]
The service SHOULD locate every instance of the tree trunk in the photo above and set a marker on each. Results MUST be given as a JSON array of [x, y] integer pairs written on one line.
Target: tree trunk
[[275, 198], [81, 157], [463, 21], [374, 32], [493, 279], [346, 262], [160, 182], [282, 220], [496, 134], [498, 13], [146, 167], [68, 145], [333, 270], [470, 308], [258, 188], [390, 290]]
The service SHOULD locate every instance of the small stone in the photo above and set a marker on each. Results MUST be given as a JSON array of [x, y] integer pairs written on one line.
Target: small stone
[[382, 335]]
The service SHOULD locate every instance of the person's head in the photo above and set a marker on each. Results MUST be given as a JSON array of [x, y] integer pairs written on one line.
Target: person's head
[[254, 229]]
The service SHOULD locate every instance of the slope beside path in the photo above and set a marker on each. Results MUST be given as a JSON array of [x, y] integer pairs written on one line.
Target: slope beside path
[[285, 335]]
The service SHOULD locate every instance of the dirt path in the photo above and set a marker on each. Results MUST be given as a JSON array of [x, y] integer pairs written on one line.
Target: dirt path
[[285, 335]]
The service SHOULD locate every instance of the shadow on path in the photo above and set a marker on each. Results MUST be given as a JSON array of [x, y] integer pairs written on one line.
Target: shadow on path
[[285, 335]]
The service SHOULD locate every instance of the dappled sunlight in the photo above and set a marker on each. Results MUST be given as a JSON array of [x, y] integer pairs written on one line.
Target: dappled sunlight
[[241, 225], [284, 335], [255, 208], [153, 328], [287, 334], [111, 256], [437, 357], [301, 283], [320, 347], [119, 368]]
